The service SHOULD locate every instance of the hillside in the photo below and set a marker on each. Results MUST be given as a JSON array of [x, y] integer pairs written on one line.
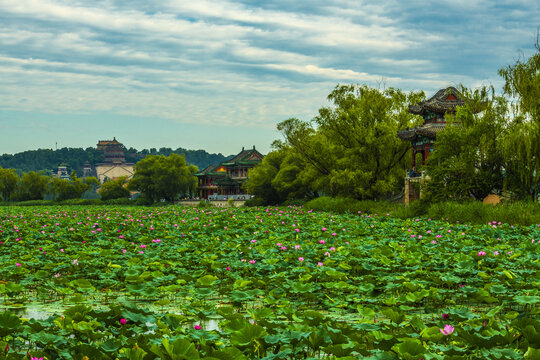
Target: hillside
[[48, 160]]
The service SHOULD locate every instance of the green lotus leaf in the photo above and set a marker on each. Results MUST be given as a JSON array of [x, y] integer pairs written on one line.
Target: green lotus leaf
[[244, 336], [207, 280], [229, 353]]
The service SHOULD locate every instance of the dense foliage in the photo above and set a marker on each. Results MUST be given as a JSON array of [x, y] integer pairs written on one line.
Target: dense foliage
[[114, 189], [349, 149], [37, 186], [158, 177], [272, 283]]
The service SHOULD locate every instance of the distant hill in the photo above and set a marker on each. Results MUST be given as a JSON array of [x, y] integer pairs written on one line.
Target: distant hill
[[48, 160]]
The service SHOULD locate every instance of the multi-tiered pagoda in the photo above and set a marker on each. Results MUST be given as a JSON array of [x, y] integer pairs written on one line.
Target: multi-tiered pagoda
[[433, 111], [423, 137], [114, 164]]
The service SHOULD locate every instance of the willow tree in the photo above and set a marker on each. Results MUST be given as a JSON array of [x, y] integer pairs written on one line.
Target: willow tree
[[522, 145], [8, 183], [468, 160], [351, 148], [158, 177]]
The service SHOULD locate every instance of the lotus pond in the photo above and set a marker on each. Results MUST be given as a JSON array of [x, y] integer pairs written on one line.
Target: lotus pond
[[272, 283]]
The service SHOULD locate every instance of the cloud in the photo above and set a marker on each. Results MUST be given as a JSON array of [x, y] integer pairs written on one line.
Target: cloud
[[244, 63]]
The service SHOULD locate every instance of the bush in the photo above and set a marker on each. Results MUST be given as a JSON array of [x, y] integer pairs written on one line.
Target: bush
[[121, 201], [475, 212], [295, 202], [204, 204], [338, 204], [258, 201]]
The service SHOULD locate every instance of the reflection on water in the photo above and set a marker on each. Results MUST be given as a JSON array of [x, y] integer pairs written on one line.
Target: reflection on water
[[44, 311]]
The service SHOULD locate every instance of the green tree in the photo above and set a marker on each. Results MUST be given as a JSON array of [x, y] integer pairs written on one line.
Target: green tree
[[74, 188], [522, 144], [32, 186], [353, 150], [260, 179], [8, 183], [158, 177], [114, 189], [468, 158]]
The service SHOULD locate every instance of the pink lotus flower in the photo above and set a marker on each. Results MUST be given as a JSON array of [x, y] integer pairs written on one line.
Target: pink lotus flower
[[252, 261], [197, 327], [123, 321], [300, 259], [448, 329], [321, 241], [17, 264], [320, 264], [296, 247], [481, 253]]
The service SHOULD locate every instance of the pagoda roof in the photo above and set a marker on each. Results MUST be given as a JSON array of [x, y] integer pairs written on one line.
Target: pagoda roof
[[444, 101], [109, 142], [251, 155], [428, 130], [210, 170]]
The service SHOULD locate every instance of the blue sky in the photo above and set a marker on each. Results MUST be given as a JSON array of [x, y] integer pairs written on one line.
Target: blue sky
[[219, 75]]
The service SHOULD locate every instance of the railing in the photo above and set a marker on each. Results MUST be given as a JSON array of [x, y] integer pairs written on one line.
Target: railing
[[414, 175]]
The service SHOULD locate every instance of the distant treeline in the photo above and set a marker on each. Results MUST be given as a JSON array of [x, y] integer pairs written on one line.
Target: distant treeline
[[48, 160]]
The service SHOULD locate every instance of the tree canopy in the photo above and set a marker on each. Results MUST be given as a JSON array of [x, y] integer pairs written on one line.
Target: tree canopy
[[114, 189], [349, 149], [158, 177]]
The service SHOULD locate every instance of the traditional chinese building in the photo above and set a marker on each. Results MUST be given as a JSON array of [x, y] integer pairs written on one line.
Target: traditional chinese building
[[114, 164], [87, 169], [433, 112], [423, 137], [62, 172], [227, 178]]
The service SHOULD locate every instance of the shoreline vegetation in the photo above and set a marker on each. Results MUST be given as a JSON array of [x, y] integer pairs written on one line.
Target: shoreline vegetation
[[474, 212]]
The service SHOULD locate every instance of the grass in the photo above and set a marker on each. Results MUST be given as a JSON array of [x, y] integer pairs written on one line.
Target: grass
[[473, 212]]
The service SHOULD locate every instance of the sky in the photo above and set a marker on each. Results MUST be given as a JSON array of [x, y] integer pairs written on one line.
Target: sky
[[219, 75]]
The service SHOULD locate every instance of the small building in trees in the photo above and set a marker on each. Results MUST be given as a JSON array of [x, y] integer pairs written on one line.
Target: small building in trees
[[114, 164], [423, 137], [226, 179], [87, 169], [62, 172]]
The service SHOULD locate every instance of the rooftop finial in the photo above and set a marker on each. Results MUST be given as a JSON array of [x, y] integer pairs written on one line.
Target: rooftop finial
[[242, 148], [253, 147]]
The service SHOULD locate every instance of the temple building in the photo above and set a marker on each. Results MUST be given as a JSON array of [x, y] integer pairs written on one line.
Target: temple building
[[226, 179], [62, 172], [423, 137], [87, 170], [433, 112], [114, 164]]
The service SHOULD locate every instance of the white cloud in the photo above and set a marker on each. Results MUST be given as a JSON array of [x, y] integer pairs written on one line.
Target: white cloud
[[240, 64]]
